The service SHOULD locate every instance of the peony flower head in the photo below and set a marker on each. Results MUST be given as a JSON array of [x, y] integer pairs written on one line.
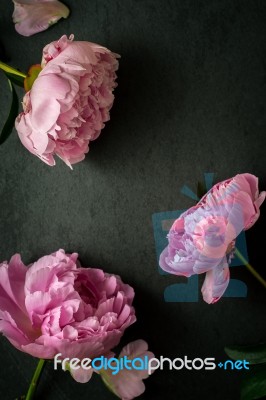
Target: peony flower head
[[69, 101], [202, 238], [33, 16], [55, 306]]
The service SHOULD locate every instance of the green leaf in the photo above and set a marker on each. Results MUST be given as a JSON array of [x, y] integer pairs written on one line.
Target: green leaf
[[254, 386], [255, 354], [11, 70], [16, 79], [201, 189], [7, 129]]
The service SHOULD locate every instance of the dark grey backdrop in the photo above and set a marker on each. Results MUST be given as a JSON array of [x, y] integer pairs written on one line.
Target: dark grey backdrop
[[191, 99]]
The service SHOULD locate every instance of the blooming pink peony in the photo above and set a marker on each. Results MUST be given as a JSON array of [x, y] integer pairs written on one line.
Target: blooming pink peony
[[202, 239], [128, 384], [69, 101], [55, 306], [33, 16]]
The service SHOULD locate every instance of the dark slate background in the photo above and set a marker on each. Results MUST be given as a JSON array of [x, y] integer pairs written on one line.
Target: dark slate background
[[191, 99]]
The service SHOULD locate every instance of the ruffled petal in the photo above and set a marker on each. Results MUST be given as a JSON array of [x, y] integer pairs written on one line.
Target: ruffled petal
[[81, 375], [31, 16], [127, 384], [216, 282]]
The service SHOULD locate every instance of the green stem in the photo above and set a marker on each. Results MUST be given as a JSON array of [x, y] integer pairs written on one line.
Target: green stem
[[35, 380], [250, 268]]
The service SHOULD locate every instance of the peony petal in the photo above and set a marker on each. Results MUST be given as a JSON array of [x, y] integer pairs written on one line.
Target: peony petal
[[105, 307], [128, 389], [134, 349], [127, 384], [137, 349], [70, 333], [40, 351], [45, 94], [37, 303], [183, 268], [81, 375], [12, 298], [10, 329], [216, 282], [118, 303], [59, 263], [87, 349], [31, 16], [12, 279]]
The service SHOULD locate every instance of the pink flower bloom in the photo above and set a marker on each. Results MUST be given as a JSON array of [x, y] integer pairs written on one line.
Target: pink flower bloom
[[55, 306], [128, 384], [69, 101], [202, 238], [33, 16]]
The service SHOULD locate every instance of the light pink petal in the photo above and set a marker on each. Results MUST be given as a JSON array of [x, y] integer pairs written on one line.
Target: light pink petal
[[119, 303], [112, 338], [127, 290], [46, 93], [24, 128], [37, 303], [90, 349], [59, 263], [216, 282], [10, 329], [40, 142], [81, 375], [40, 351], [126, 312], [68, 309], [110, 285], [177, 267], [70, 333], [123, 384], [31, 16], [127, 388], [105, 307], [249, 183], [258, 202], [12, 279], [39, 280], [12, 298], [81, 52], [249, 212], [134, 349], [127, 384], [137, 349]]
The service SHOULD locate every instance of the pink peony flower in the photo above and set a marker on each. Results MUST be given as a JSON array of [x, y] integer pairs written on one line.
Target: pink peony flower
[[55, 306], [128, 384], [202, 239], [33, 16], [69, 101]]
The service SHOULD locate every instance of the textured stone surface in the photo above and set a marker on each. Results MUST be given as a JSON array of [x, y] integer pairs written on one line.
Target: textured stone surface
[[191, 99]]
